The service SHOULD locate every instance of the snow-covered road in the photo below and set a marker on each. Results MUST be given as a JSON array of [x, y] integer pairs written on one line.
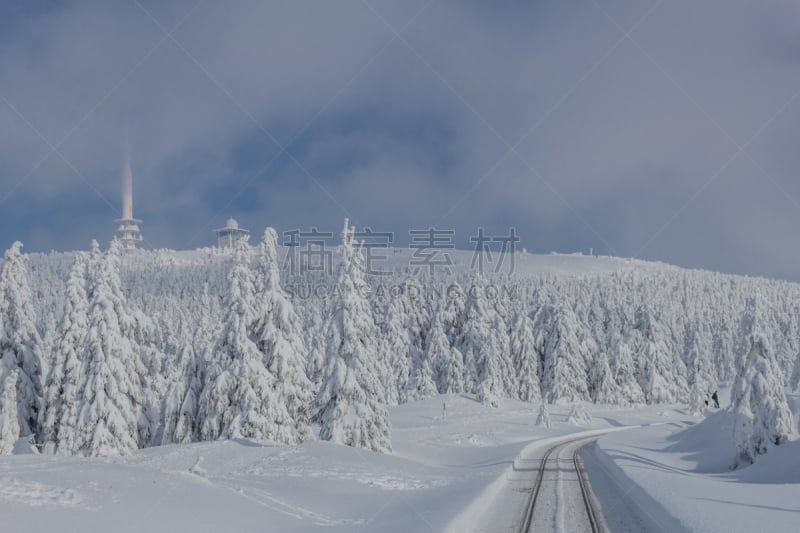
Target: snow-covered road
[[560, 498], [532, 498]]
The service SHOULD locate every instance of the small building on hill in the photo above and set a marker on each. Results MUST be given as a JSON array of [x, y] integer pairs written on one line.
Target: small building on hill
[[231, 234]]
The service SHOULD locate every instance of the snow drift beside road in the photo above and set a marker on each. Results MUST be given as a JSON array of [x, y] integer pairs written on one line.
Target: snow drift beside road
[[680, 474]]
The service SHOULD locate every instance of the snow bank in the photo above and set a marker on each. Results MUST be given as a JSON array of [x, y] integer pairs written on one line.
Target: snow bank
[[679, 476], [707, 447]]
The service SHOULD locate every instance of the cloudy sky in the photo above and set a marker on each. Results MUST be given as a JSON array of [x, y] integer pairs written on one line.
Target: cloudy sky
[[662, 130]]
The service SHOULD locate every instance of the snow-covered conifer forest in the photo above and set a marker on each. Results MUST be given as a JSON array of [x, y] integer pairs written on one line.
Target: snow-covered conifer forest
[[108, 351]]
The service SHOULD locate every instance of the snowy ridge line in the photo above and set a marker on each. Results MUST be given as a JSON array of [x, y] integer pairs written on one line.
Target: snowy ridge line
[[466, 519], [655, 515]]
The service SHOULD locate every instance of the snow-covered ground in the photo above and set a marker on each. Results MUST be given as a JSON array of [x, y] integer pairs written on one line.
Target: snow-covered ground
[[452, 473], [445, 473], [678, 477]]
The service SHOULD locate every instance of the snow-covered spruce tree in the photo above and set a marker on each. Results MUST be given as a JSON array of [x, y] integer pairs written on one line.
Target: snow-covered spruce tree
[[447, 362], [794, 377], [783, 337], [421, 383], [180, 403], [624, 370], [762, 418], [145, 335], [525, 358], [565, 377], [239, 396], [206, 329], [485, 351], [724, 336], [20, 347], [277, 332], [794, 381], [578, 415], [702, 381], [348, 404], [110, 392], [395, 347], [544, 416], [661, 372], [9, 420], [697, 399], [451, 312], [314, 329], [404, 331], [61, 401], [421, 380], [602, 386], [48, 326], [154, 384]]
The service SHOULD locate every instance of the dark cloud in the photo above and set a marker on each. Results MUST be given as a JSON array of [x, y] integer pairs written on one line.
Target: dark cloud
[[544, 116]]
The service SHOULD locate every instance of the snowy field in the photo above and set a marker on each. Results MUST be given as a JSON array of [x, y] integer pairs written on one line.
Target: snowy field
[[443, 473]]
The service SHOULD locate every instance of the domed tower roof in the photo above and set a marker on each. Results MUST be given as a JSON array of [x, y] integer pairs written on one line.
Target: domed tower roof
[[231, 233]]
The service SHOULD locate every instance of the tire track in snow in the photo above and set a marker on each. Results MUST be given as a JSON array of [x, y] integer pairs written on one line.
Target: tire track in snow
[[556, 498]]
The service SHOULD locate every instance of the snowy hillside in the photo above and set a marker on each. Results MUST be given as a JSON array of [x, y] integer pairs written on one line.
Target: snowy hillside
[[564, 328], [172, 383], [224, 343]]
